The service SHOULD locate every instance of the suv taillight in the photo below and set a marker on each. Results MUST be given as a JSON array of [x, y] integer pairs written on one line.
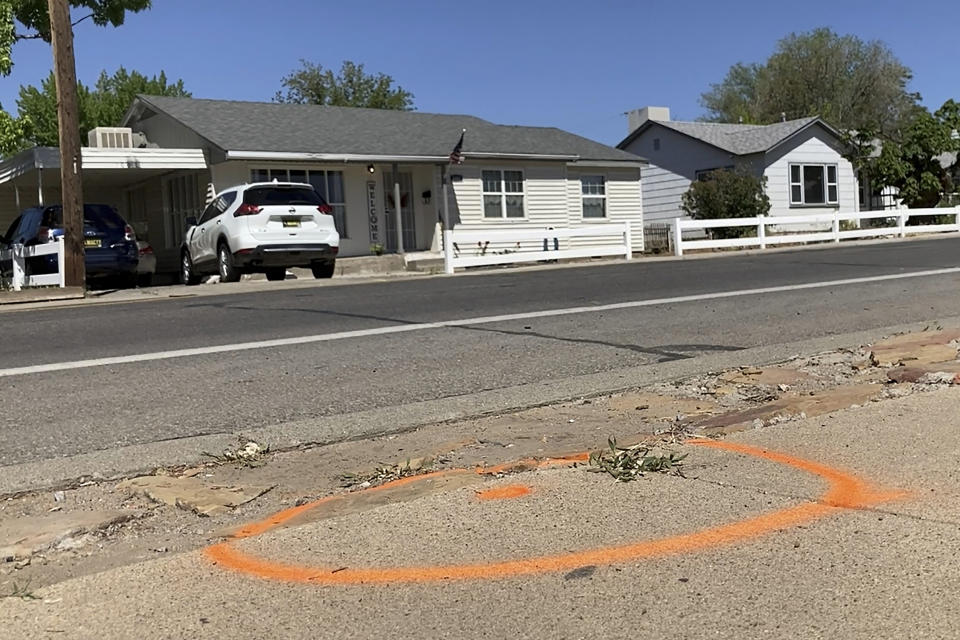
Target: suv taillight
[[128, 234], [325, 209], [246, 210]]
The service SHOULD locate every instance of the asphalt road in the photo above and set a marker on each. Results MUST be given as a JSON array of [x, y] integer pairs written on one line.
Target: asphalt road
[[62, 413]]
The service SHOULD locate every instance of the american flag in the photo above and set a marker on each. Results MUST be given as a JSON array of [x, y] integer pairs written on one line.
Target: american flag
[[455, 156]]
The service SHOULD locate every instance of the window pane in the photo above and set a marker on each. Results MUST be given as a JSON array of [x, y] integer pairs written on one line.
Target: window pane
[[513, 181], [832, 174], [298, 175], [796, 194], [813, 192], [491, 207], [335, 182], [278, 174], [832, 193], [592, 185], [259, 175], [594, 208], [514, 206], [491, 181], [319, 181], [795, 173], [340, 219]]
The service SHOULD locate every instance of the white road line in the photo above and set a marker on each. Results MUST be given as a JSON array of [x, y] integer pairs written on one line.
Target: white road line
[[405, 328]]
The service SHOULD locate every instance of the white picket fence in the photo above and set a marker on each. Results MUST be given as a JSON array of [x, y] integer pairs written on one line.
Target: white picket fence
[[19, 253], [471, 248], [764, 238]]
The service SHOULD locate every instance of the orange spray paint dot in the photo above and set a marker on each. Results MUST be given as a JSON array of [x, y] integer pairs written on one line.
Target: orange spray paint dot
[[505, 493]]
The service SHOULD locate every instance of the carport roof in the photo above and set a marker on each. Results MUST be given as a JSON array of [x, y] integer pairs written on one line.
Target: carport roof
[[237, 127]]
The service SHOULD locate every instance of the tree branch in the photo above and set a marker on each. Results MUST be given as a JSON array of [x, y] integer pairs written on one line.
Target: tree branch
[[17, 37]]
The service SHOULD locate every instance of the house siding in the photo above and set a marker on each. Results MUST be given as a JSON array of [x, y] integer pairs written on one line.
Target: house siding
[[673, 166], [814, 150], [624, 203]]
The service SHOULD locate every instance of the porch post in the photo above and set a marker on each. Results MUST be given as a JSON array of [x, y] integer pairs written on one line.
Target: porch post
[[396, 206], [447, 231], [40, 185], [16, 196]]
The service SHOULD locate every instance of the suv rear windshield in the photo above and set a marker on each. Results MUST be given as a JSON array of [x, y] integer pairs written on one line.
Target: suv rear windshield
[[267, 196], [96, 216]]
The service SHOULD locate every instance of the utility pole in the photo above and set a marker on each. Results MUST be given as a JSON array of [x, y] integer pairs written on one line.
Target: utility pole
[[68, 118]]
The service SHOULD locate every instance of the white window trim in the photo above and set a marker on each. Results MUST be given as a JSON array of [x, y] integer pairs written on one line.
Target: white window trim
[[503, 193], [326, 178], [603, 197], [826, 184]]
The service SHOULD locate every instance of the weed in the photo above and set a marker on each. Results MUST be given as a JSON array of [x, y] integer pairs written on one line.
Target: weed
[[21, 591], [629, 463]]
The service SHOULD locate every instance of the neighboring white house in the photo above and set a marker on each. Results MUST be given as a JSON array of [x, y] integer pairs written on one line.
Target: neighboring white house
[[801, 159], [511, 176]]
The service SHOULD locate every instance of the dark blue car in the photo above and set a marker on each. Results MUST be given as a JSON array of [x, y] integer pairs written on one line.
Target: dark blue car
[[110, 245]]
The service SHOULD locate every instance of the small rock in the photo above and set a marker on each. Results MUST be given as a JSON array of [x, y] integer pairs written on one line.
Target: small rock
[[782, 387], [71, 543], [59, 496], [21, 564], [160, 550]]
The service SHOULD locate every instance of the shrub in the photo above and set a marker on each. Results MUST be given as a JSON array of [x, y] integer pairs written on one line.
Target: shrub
[[727, 194]]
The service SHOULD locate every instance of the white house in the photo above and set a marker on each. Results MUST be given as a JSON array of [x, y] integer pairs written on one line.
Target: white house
[[169, 149], [801, 159]]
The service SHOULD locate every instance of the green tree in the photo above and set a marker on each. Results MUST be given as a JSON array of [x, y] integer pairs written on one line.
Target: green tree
[[853, 84], [911, 163], [102, 106], [727, 194], [29, 20], [352, 87]]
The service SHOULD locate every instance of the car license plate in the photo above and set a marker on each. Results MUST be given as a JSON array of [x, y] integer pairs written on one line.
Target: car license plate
[[291, 222], [93, 243]]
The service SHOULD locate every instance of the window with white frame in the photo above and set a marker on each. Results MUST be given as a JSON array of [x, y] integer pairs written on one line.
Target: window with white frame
[[594, 190], [503, 194], [813, 184], [329, 184]]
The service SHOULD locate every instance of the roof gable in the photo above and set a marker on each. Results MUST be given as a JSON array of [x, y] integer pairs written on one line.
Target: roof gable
[[299, 128], [738, 139]]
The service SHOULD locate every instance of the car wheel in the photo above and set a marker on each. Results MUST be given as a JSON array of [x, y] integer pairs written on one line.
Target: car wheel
[[278, 273], [187, 275], [323, 269], [228, 272]]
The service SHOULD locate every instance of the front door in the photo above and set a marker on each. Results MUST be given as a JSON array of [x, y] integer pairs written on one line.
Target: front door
[[407, 213]]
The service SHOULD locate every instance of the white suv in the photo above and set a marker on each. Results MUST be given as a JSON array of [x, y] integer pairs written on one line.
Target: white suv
[[261, 227]]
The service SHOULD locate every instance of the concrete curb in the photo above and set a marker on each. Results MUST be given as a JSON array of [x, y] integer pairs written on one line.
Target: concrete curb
[[45, 294], [134, 460]]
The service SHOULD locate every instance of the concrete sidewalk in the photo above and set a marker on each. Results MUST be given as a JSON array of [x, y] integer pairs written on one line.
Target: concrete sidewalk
[[879, 568]]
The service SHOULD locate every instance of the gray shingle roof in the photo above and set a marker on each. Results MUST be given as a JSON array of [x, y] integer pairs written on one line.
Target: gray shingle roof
[[739, 139], [266, 126]]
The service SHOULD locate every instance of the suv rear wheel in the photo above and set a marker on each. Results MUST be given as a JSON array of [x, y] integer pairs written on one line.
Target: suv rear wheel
[[323, 269], [228, 272]]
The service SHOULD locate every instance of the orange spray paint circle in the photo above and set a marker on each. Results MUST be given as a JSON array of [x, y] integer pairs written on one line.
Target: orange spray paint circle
[[845, 492]]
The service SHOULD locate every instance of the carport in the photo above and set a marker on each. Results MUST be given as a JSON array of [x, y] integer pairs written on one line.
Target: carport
[[130, 179]]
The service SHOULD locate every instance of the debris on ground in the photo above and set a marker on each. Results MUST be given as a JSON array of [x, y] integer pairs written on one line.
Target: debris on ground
[[388, 473], [24, 537], [249, 453], [191, 494]]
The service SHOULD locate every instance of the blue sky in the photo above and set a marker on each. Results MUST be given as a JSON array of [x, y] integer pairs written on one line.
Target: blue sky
[[574, 65]]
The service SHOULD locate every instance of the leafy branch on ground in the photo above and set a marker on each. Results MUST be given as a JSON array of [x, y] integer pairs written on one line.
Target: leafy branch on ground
[[21, 591], [629, 463], [387, 473], [250, 454]]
